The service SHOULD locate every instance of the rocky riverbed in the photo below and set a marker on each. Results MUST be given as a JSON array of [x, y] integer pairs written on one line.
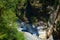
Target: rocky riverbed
[[32, 32]]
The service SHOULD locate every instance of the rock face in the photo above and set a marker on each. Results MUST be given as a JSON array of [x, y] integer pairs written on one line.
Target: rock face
[[30, 36], [42, 34]]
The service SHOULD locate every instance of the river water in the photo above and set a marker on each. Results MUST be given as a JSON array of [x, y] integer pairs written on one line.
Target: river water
[[31, 32]]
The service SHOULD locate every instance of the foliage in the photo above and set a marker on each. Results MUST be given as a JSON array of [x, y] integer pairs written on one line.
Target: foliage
[[58, 24], [35, 8], [8, 26], [20, 36], [34, 20]]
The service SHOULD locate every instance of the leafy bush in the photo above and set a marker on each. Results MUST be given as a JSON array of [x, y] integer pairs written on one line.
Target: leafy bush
[[8, 26]]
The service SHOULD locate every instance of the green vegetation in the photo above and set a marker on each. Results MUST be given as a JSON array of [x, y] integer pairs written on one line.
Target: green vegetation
[[58, 24], [20, 36], [28, 9], [8, 26]]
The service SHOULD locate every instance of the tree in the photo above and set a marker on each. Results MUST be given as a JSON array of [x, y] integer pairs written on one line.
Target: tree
[[53, 22], [8, 26]]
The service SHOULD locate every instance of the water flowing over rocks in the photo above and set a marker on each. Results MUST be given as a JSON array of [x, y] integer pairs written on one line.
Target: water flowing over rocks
[[32, 32]]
